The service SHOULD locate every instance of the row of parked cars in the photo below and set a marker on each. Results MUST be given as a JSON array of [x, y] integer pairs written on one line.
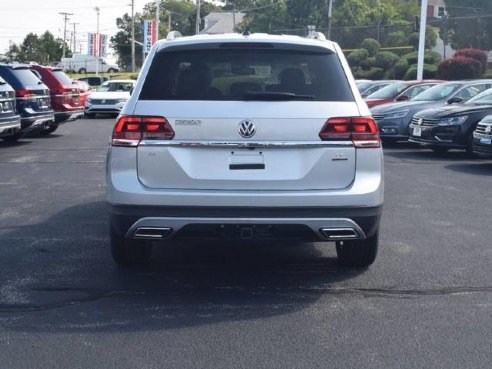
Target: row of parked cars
[[436, 114], [35, 99]]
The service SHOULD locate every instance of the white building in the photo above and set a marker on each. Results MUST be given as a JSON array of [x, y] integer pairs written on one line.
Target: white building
[[222, 22]]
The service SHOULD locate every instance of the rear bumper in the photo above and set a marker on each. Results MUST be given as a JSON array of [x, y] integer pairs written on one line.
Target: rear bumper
[[10, 126], [66, 116], [260, 222], [32, 122]]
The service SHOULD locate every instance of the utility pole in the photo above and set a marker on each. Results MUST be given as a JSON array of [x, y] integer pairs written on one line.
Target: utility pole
[[169, 23], [74, 36], [197, 29], [330, 12], [65, 19], [97, 41], [133, 36], [423, 22], [158, 18]]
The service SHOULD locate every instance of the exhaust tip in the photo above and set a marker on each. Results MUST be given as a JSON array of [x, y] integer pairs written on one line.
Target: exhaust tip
[[339, 234], [154, 233]]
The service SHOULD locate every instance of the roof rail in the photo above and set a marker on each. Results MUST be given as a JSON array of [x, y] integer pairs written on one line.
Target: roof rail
[[173, 34], [312, 33]]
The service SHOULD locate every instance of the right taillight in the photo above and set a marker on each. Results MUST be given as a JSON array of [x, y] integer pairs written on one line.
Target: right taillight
[[24, 94], [130, 130], [362, 131]]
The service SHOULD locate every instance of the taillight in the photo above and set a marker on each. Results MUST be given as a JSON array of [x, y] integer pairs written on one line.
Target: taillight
[[24, 93], [130, 130], [362, 131]]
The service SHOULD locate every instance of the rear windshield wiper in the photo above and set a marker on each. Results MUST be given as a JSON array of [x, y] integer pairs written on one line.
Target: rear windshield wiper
[[276, 96]]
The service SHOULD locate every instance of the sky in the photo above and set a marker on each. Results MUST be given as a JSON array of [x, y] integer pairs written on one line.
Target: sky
[[20, 17]]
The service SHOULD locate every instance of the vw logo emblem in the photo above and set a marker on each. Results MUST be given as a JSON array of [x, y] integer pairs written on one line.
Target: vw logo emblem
[[420, 121], [488, 129], [103, 101], [247, 129]]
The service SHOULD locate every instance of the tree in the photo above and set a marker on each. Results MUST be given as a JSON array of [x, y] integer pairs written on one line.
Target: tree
[[465, 26], [41, 50]]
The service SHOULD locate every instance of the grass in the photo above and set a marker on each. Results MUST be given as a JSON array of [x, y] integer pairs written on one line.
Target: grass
[[122, 75]]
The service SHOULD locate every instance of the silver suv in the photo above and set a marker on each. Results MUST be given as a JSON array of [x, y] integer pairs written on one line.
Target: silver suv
[[249, 137]]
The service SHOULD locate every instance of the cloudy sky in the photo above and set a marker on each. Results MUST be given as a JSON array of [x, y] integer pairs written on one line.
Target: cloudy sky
[[20, 17]]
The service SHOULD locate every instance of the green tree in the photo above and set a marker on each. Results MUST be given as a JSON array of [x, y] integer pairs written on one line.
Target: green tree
[[40, 49]]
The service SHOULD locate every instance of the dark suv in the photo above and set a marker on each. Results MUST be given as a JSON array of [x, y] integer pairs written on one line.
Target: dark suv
[[9, 119], [32, 97], [65, 95]]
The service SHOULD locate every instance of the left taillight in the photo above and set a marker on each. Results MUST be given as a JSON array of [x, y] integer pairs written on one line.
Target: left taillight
[[130, 130], [362, 131]]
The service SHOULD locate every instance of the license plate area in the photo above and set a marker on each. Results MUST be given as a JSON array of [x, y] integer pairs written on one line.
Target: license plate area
[[417, 131], [246, 161]]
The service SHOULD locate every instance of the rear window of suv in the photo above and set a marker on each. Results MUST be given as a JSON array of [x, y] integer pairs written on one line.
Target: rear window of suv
[[238, 72], [25, 76]]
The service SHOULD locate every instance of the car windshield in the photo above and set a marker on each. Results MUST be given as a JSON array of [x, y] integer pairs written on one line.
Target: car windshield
[[438, 92], [25, 76], [482, 98], [115, 86], [246, 72], [388, 91], [363, 85], [62, 77]]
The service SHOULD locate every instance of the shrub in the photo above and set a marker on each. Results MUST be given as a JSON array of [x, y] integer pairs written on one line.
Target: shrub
[[373, 73], [368, 63], [400, 68], [386, 59], [356, 57], [430, 72], [430, 57], [371, 45], [476, 54], [459, 68]]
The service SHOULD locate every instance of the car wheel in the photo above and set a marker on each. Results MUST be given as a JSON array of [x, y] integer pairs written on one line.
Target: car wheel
[[130, 253], [13, 138], [52, 129], [82, 71], [111, 70], [440, 150], [358, 253]]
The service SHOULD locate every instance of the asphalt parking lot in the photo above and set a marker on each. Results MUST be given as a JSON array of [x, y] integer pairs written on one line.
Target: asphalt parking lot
[[426, 302]]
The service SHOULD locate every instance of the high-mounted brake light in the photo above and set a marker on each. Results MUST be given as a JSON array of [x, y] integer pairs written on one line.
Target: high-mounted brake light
[[130, 130], [362, 131]]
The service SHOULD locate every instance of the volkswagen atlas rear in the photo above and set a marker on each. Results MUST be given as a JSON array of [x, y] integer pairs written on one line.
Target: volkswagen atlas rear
[[245, 137]]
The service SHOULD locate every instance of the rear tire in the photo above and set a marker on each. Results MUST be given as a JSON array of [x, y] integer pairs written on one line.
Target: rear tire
[[358, 253], [13, 138], [135, 254], [52, 129], [82, 71], [111, 70]]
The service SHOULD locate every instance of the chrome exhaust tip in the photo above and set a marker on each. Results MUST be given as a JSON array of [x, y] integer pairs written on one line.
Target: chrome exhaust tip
[[339, 234], [152, 233]]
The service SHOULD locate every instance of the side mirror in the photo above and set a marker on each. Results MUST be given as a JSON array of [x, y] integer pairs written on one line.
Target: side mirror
[[455, 99], [402, 98]]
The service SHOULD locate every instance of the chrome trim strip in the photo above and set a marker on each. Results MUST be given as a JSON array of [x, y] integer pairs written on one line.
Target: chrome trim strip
[[246, 144]]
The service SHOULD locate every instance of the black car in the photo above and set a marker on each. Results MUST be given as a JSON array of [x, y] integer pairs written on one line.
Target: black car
[[10, 125], [451, 127], [32, 97], [482, 137], [94, 81]]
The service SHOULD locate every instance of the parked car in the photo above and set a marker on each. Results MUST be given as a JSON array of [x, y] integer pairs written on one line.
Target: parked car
[[276, 143], [110, 98], [450, 127], [84, 90], [394, 119], [397, 90], [94, 81], [482, 137], [32, 97], [65, 96], [10, 124], [367, 87]]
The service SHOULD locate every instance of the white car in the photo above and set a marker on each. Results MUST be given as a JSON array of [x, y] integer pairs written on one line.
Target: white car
[[110, 98], [245, 137]]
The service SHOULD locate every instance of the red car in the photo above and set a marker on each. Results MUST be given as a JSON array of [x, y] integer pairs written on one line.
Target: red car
[[65, 96], [84, 89], [399, 91]]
